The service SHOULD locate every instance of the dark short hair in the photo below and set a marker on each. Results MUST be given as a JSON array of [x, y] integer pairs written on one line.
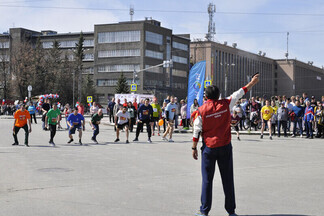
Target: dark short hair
[[212, 92], [147, 99]]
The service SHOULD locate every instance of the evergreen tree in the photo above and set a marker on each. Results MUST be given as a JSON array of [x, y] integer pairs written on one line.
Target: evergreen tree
[[40, 69], [122, 85], [79, 55], [88, 88], [54, 69]]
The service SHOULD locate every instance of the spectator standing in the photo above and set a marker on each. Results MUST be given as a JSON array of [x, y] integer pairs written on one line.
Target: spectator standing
[[22, 120], [194, 107], [67, 111], [135, 104], [177, 113], [81, 109], [320, 121], [297, 118], [32, 112], [111, 110], [94, 109], [117, 107], [309, 118], [266, 114], [183, 113], [282, 118]]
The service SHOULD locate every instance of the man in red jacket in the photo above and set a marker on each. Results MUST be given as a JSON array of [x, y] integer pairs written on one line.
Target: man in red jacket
[[214, 123]]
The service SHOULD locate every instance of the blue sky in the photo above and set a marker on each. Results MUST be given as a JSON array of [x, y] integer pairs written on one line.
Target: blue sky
[[254, 33]]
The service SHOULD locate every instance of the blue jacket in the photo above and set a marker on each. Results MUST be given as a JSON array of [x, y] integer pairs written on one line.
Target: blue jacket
[[31, 109], [309, 114], [298, 110]]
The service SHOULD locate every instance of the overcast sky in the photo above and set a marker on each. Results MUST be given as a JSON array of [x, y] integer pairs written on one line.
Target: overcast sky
[[265, 30]]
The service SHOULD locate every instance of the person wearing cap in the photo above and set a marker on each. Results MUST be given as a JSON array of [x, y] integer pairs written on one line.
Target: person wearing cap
[[53, 117], [22, 120], [214, 122], [282, 118], [313, 102]]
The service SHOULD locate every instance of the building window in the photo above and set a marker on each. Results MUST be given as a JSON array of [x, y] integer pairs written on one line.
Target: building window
[[179, 59], [152, 37], [88, 57], [119, 37], [4, 45], [179, 73], [47, 44], [113, 82], [88, 43], [118, 53], [155, 83], [89, 70], [155, 69], [68, 44], [181, 46], [4, 58], [118, 68], [153, 54]]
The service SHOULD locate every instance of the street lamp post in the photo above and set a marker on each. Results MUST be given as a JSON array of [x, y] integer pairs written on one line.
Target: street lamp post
[[227, 66], [73, 86]]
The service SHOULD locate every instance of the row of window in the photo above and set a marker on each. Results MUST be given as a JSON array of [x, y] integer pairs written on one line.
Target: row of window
[[119, 37], [89, 70], [4, 45], [67, 44], [113, 82], [154, 54], [153, 38], [157, 83], [181, 46], [118, 68], [118, 53], [179, 59]]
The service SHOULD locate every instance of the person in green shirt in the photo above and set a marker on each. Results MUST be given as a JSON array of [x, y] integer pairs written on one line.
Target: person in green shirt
[[53, 117], [95, 121], [156, 115]]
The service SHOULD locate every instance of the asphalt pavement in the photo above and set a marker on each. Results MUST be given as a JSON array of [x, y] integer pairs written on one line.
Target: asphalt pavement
[[279, 177]]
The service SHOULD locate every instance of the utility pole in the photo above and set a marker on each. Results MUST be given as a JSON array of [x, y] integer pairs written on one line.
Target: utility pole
[[131, 12], [211, 24], [287, 53], [227, 67]]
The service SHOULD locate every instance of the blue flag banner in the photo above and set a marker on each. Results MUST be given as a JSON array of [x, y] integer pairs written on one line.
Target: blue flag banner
[[196, 85]]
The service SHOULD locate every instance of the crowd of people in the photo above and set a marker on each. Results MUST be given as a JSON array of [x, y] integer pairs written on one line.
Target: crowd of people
[[280, 115]]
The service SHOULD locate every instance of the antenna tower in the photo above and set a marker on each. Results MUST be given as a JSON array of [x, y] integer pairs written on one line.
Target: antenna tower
[[211, 24], [131, 12]]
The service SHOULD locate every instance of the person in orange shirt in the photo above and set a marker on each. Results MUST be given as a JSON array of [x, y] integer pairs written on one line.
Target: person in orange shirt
[[22, 117]]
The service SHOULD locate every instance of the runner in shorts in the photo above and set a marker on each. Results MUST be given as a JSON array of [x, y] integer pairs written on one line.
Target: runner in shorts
[[235, 120], [75, 122], [123, 122]]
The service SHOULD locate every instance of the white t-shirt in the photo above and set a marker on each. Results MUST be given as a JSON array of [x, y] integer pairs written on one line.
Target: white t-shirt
[[123, 117]]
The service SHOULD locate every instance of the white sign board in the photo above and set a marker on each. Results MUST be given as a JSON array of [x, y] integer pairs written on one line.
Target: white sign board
[[131, 97]]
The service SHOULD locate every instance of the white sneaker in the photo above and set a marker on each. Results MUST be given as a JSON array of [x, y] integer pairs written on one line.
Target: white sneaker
[[301, 135], [170, 140], [164, 139]]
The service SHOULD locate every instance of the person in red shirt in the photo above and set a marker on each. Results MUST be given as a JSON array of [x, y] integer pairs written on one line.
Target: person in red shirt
[[22, 117], [214, 123], [135, 103], [81, 109]]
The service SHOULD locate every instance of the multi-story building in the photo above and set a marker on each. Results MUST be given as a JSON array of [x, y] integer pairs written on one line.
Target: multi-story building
[[131, 48], [278, 77]]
